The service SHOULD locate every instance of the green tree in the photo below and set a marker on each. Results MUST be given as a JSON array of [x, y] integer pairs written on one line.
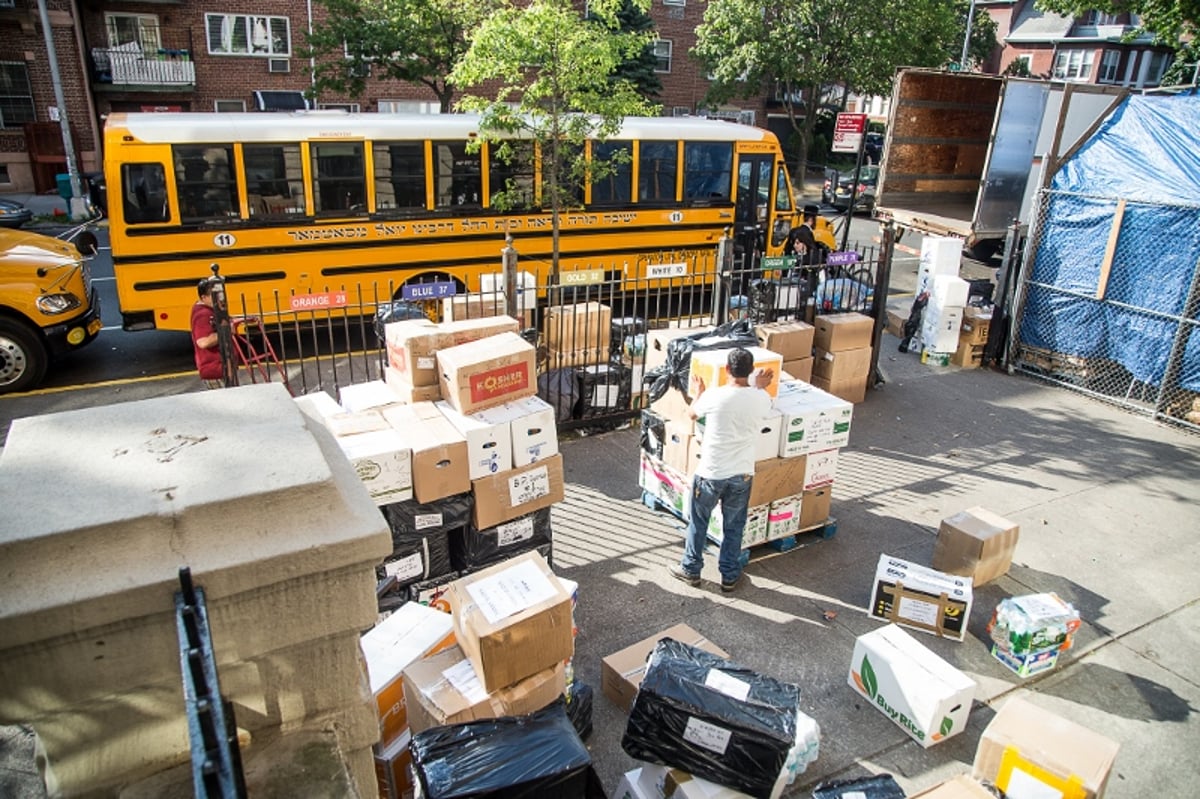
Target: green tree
[[551, 76], [417, 41], [799, 48], [637, 69], [1169, 23]]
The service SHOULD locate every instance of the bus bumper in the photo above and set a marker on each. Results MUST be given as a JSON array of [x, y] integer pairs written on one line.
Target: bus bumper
[[78, 332]]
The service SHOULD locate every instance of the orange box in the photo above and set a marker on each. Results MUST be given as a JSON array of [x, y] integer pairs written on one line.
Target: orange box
[[710, 366], [391, 768]]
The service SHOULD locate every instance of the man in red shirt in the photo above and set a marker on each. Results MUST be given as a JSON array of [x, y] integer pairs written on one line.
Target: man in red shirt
[[205, 338]]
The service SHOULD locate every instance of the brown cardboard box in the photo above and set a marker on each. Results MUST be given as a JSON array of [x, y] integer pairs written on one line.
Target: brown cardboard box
[[814, 507], [852, 390], [961, 787], [1046, 745], [440, 464], [792, 340], [504, 496], [975, 543], [976, 325], [480, 306], [621, 672], [583, 326], [672, 406], [434, 688], [657, 342], [406, 391], [391, 768], [841, 366], [564, 360], [845, 331], [488, 372], [512, 620], [413, 344], [776, 478], [895, 322], [677, 443], [967, 355], [799, 369]]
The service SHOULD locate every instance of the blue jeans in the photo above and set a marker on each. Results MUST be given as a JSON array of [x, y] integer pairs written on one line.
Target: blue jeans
[[734, 495]]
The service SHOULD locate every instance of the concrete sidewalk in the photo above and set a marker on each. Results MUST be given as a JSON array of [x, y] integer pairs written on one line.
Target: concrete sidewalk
[[1107, 504]]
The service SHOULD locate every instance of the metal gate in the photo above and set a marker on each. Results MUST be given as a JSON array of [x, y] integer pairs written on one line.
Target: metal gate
[[1109, 303]]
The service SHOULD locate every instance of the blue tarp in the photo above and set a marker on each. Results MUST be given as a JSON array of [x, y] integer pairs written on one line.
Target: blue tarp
[[1148, 154]]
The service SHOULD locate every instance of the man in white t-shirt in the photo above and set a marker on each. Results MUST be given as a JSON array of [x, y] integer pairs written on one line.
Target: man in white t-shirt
[[733, 416]]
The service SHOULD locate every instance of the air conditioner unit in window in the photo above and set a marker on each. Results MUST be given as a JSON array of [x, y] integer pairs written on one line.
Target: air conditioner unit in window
[[279, 65]]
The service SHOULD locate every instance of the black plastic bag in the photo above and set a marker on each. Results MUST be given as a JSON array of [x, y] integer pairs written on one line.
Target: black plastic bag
[[676, 372], [538, 756], [712, 718], [472, 549], [410, 520], [579, 707], [654, 433], [560, 389], [879, 786], [427, 558], [603, 389]]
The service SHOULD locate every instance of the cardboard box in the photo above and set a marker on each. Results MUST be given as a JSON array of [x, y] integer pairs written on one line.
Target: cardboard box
[[776, 478], [909, 594], [364, 396], [976, 325], [783, 518], [792, 340], [845, 331], [532, 428], [512, 620], [949, 291], [968, 356], [767, 443], [676, 445], [489, 443], [482, 306], [895, 321], [814, 507], [799, 369], [565, 359], [813, 420], [444, 689], [413, 344], [505, 496], [1046, 748], [924, 695], [820, 468], [629, 787], [841, 366], [672, 405], [709, 365], [657, 342], [383, 461], [411, 633], [1027, 664], [406, 391], [662, 782], [583, 326], [350, 424], [439, 451], [975, 543], [853, 390], [669, 486], [940, 255], [488, 372], [391, 768], [621, 672], [753, 533], [960, 787], [939, 329]]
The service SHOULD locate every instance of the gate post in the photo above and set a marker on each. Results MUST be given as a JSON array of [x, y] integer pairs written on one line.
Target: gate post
[[883, 276], [509, 260], [724, 272]]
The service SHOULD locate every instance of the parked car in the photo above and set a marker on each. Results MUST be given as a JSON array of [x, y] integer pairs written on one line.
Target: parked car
[[839, 196], [13, 214]]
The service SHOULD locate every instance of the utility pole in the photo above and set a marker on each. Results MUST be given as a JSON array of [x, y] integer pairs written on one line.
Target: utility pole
[[966, 36], [77, 205]]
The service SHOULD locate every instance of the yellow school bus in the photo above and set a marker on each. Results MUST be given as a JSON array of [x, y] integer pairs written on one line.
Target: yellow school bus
[[305, 209]]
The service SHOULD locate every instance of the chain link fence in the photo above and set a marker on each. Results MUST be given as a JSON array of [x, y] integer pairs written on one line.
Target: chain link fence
[[1109, 303]]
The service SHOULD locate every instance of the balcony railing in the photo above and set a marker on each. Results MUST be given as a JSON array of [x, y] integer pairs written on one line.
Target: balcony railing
[[160, 58]]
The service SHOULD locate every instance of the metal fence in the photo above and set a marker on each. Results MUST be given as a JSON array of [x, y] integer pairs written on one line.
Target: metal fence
[[1109, 303], [591, 362]]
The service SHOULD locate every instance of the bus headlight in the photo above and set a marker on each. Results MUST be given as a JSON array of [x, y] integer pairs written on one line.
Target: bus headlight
[[53, 304]]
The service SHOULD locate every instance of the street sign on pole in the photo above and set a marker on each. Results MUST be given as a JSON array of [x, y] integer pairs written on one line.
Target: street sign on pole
[[848, 132]]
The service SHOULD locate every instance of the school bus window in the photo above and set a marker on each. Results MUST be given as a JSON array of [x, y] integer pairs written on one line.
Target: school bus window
[[339, 177], [274, 179], [612, 178], [657, 166], [144, 193], [399, 175], [510, 175], [207, 189], [570, 189], [707, 171], [458, 175], [783, 198]]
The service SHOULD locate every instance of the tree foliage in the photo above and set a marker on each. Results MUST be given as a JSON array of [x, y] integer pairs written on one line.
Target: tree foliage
[[637, 69], [1169, 23], [799, 47], [542, 73], [417, 41]]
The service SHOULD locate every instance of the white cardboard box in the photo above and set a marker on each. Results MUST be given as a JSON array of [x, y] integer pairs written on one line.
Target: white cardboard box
[[924, 695], [489, 443], [940, 255], [532, 427], [383, 461], [812, 420], [820, 469], [372, 394], [939, 329], [949, 291], [661, 782], [916, 596], [783, 518]]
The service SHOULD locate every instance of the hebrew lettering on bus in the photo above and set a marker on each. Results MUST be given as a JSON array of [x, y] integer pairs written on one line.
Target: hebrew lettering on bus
[[328, 234]]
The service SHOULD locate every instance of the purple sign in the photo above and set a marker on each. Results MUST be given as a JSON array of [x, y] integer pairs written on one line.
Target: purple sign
[[434, 290], [842, 258]]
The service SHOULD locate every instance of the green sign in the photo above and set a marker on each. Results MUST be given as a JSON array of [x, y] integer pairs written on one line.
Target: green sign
[[779, 262]]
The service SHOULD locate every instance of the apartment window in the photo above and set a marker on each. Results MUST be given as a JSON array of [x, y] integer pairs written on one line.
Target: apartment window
[[16, 95], [1109, 66], [1027, 60], [1075, 65], [230, 106], [1158, 66], [248, 34], [674, 2], [140, 30], [662, 55], [1099, 18]]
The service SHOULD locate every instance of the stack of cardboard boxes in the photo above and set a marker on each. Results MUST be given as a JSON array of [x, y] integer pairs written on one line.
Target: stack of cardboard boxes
[[577, 335], [972, 336], [842, 347]]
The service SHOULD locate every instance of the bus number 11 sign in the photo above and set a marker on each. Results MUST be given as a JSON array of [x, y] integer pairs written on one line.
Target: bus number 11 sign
[[848, 132]]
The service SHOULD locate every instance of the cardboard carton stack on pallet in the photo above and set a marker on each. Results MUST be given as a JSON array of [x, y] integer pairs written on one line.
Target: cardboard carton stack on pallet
[[842, 347]]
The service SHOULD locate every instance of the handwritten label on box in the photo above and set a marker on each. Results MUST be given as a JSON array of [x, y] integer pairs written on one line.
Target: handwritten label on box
[[528, 486]]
